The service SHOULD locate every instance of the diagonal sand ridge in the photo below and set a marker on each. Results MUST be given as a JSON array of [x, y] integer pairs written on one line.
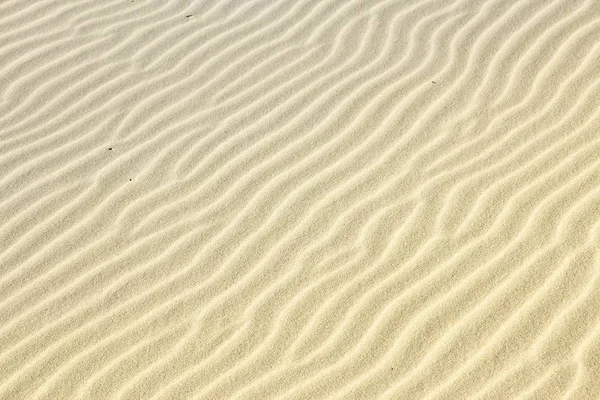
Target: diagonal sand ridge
[[309, 199]]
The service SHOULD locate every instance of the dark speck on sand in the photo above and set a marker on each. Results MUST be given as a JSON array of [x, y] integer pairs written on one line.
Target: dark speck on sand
[[191, 15]]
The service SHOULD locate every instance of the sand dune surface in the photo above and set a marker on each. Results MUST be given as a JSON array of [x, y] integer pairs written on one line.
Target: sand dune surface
[[299, 199]]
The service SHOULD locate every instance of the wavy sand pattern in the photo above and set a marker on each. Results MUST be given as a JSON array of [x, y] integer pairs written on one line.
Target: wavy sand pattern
[[299, 199]]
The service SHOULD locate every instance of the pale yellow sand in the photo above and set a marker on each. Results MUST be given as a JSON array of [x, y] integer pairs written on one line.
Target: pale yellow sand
[[299, 199]]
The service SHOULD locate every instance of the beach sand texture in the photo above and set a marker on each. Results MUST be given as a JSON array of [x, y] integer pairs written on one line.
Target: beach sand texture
[[299, 199]]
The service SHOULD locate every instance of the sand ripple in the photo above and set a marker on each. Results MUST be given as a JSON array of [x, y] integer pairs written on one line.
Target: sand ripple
[[308, 199]]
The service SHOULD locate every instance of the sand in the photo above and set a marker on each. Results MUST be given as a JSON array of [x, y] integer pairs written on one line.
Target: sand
[[299, 199]]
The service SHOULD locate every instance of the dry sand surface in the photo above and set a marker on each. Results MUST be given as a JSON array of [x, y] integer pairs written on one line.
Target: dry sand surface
[[299, 199]]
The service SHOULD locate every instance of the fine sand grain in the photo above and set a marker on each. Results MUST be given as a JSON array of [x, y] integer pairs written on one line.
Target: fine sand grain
[[299, 199]]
